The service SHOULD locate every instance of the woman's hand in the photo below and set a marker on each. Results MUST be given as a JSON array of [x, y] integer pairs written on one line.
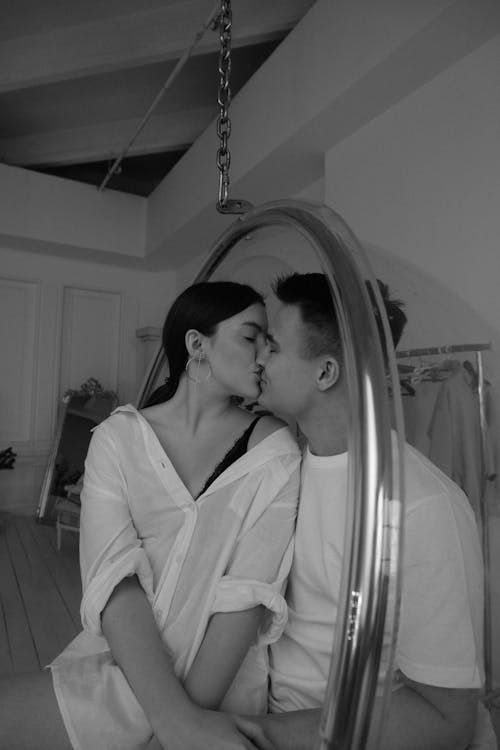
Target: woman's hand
[[210, 730]]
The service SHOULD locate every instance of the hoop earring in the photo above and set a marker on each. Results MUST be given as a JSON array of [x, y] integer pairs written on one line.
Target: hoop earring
[[196, 379]]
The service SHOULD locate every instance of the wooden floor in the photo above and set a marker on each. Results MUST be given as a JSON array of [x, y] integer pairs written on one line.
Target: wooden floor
[[40, 594]]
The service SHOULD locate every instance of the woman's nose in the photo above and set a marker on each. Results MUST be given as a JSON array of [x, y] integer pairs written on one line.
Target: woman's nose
[[261, 355]]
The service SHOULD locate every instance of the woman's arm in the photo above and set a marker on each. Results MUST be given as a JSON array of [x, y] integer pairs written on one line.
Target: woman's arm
[[131, 631], [249, 594], [228, 637]]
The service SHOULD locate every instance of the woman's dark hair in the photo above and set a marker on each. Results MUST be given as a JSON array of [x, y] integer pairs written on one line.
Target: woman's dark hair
[[202, 307]]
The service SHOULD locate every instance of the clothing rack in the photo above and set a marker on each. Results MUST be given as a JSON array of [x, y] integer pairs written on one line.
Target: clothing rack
[[490, 693], [448, 349]]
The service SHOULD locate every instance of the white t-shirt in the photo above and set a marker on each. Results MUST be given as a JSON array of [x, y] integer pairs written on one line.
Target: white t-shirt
[[440, 634]]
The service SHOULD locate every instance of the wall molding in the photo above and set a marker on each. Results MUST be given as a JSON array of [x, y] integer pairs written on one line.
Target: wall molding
[[19, 324], [90, 337]]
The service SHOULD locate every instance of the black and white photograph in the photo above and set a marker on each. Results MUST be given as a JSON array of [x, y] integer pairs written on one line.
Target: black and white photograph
[[249, 375]]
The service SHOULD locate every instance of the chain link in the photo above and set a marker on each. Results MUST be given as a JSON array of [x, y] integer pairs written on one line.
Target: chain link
[[223, 122]]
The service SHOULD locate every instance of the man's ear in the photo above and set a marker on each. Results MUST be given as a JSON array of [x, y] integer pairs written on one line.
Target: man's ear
[[328, 373], [194, 342]]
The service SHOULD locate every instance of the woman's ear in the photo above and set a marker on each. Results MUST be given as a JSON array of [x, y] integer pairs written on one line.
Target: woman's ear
[[328, 373], [194, 342]]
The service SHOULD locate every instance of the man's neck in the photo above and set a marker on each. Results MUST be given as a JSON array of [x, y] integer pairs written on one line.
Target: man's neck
[[326, 433]]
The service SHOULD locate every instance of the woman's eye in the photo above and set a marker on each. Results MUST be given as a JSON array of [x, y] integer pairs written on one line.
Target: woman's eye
[[249, 338]]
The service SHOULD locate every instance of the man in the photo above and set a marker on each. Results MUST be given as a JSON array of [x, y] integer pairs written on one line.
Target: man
[[438, 655]]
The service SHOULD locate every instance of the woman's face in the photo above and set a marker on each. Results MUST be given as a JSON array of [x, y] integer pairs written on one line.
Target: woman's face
[[232, 351]]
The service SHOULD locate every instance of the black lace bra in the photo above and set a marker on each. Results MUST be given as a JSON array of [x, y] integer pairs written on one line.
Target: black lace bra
[[236, 451]]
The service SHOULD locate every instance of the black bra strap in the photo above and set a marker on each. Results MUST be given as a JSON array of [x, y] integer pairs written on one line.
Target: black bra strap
[[238, 449]]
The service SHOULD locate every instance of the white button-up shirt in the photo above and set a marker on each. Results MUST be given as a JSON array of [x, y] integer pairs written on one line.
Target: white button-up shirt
[[229, 550]]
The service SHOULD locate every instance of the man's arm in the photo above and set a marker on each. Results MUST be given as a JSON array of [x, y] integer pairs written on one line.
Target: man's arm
[[421, 717], [424, 717]]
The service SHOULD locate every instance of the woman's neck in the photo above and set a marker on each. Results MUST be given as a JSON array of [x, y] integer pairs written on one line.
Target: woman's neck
[[198, 404]]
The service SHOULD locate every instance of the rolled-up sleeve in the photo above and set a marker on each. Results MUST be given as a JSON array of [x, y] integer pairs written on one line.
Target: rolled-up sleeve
[[110, 549], [259, 566]]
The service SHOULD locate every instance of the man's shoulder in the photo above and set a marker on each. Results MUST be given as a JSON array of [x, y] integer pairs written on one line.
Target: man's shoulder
[[423, 480]]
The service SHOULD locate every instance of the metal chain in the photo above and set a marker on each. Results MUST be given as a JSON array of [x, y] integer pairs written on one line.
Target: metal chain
[[224, 99], [224, 205]]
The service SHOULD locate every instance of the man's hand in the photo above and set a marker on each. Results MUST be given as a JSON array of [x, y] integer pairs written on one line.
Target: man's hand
[[295, 730], [255, 732]]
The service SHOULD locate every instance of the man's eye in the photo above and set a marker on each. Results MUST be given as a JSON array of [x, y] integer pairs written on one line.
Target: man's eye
[[248, 338]]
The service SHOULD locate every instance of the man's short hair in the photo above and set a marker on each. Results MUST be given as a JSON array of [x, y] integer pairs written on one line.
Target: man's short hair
[[394, 311], [310, 292]]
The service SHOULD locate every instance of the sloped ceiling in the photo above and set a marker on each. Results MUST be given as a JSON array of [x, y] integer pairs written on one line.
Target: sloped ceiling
[[311, 74], [76, 79]]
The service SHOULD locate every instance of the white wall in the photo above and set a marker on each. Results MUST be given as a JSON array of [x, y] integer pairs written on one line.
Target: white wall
[[40, 212], [64, 321], [422, 180]]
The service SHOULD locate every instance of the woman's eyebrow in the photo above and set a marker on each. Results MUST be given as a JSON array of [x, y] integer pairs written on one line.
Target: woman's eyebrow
[[255, 325]]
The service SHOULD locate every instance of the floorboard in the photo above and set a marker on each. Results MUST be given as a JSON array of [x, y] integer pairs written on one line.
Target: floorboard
[[40, 594], [19, 652], [63, 566]]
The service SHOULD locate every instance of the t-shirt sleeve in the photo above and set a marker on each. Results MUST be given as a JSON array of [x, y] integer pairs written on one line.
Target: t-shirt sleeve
[[258, 568], [110, 549], [439, 639]]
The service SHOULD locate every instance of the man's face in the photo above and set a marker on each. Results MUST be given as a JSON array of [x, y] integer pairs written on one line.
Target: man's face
[[288, 379]]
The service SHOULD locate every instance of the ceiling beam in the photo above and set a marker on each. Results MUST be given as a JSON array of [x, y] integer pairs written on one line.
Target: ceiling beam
[[104, 141], [136, 39]]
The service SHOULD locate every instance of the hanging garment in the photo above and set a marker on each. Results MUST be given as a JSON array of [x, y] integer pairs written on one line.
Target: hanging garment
[[455, 436], [418, 412]]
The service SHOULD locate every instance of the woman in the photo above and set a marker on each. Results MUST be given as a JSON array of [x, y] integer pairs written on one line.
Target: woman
[[188, 511]]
